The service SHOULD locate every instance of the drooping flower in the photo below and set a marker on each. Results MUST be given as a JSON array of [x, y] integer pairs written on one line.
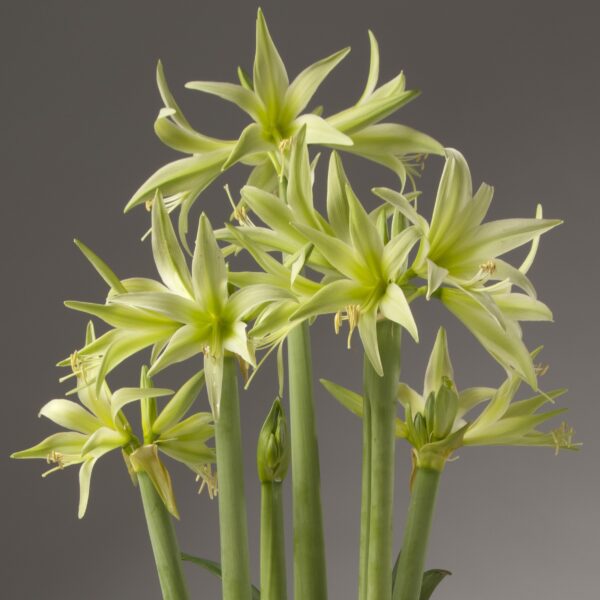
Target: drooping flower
[[97, 425]]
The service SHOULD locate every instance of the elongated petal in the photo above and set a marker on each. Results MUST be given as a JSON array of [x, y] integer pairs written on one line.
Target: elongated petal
[[118, 315], [371, 111], [304, 86], [472, 397], [270, 77], [245, 300], [186, 342], [190, 452], [373, 76], [506, 272], [454, 192], [320, 131], [236, 341], [197, 427], [338, 210], [85, 477], [498, 237], [213, 370], [179, 404], [340, 255], [209, 270], [65, 442], [399, 201], [238, 95], [522, 307], [395, 307], [364, 235], [101, 267], [531, 405], [367, 329], [178, 309], [251, 141], [168, 256], [125, 396], [264, 176], [331, 298], [168, 99], [410, 399], [439, 365], [394, 139], [396, 252], [436, 275], [351, 400], [507, 348], [192, 173], [104, 439], [70, 415]]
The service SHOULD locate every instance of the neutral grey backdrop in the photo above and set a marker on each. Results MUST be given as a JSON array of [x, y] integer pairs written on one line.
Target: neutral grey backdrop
[[514, 85]]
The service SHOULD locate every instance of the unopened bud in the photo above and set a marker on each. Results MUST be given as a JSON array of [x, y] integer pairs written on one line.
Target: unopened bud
[[273, 451]]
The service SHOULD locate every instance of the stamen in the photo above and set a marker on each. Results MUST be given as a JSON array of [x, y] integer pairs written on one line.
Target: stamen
[[541, 369], [488, 267], [352, 313], [209, 481], [148, 204], [563, 437], [56, 458], [284, 145]]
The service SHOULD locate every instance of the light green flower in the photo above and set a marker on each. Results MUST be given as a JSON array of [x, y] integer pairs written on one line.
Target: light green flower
[[189, 313], [436, 422], [97, 425], [276, 107], [459, 259]]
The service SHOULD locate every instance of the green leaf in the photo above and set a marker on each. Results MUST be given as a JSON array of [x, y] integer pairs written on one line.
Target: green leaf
[[70, 415], [209, 270], [102, 268], [238, 95], [214, 568], [168, 256], [304, 86], [270, 77], [351, 400], [179, 404], [431, 579]]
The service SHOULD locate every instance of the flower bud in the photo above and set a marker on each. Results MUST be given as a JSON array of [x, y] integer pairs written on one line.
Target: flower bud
[[273, 451]]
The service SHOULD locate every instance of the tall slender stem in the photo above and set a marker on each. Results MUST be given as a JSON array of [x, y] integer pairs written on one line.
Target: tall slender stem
[[310, 576], [365, 506], [416, 534], [273, 585], [232, 506], [164, 543], [380, 393]]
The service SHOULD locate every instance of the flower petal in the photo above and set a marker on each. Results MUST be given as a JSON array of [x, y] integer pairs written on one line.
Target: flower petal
[[70, 415], [395, 307]]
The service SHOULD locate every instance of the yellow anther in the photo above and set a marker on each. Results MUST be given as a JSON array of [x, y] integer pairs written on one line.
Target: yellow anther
[[541, 369], [56, 458], [563, 436], [352, 313], [148, 204], [488, 267], [284, 144], [209, 481]]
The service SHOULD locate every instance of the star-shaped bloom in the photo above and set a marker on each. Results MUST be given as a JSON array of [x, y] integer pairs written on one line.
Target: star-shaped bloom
[[437, 422], [186, 313], [459, 259], [97, 425], [276, 107]]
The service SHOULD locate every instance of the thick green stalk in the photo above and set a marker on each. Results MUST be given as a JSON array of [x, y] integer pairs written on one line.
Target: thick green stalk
[[365, 506], [380, 393], [164, 543], [232, 506], [310, 576], [416, 534], [273, 584]]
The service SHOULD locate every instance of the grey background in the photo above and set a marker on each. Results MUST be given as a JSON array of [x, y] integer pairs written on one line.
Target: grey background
[[514, 85]]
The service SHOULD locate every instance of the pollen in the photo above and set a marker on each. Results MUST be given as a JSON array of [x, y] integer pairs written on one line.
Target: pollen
[[148, 204]]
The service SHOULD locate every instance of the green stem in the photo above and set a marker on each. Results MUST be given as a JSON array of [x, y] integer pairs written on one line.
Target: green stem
[[273, 585], [232, 507], [164, 543], [416, 534], [365, 506], [310, 576], [380, 393]]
